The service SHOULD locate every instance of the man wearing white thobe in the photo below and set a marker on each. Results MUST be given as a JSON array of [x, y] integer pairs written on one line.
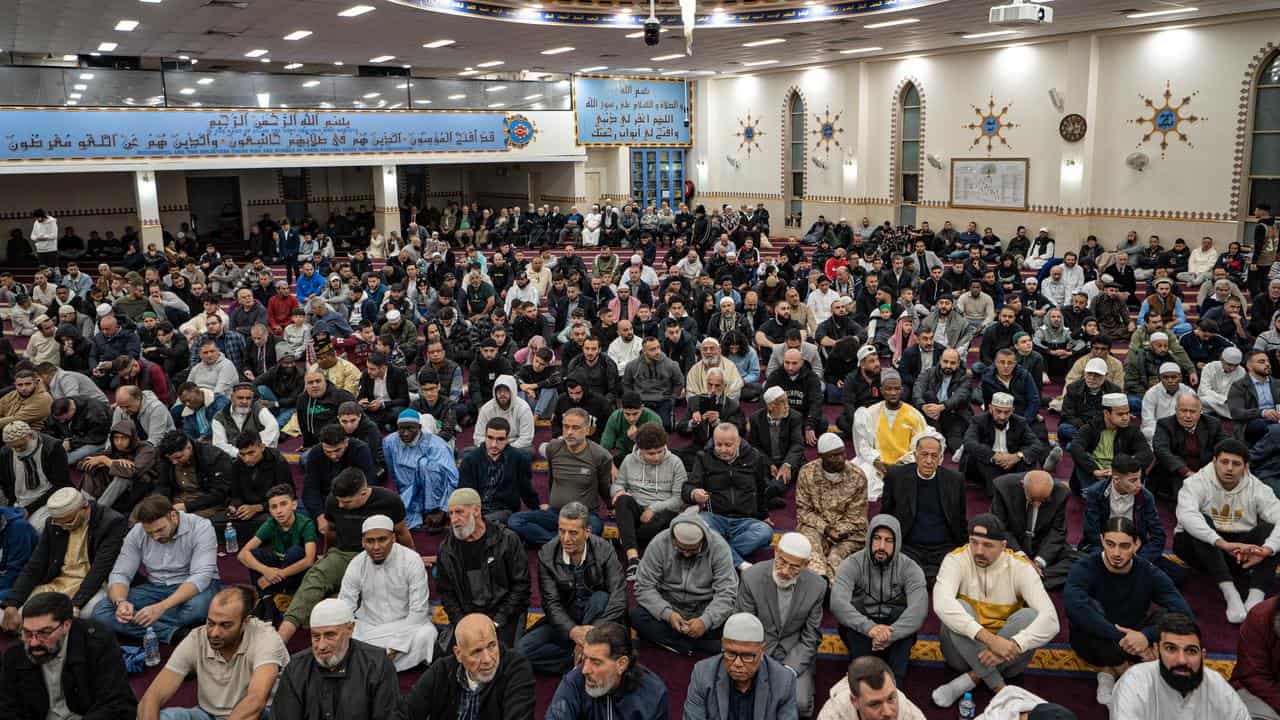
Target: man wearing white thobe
[[386, 586], [1161, 399], [1216, 379]]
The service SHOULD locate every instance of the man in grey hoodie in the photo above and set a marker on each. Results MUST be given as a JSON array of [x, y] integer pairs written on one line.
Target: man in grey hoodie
[[686, 588], [646, 492], [880, 598], [656, 378]]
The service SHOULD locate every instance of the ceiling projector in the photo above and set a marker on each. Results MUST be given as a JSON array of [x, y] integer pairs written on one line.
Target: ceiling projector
[[1020, 13]]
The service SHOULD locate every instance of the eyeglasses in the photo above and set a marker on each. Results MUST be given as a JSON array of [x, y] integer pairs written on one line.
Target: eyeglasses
[[731, 657], [41, 635]]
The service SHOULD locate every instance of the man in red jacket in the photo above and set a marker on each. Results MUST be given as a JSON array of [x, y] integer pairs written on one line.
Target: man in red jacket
[[1257, 672]]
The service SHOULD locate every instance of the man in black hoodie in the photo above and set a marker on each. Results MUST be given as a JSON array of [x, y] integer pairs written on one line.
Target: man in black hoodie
[[317, 406]]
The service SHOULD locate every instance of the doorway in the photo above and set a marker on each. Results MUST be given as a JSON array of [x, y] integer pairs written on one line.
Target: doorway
[[215, 209], [592, 181]]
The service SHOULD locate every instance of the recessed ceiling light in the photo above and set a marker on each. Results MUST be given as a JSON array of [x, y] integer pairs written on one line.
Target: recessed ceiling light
[[265, 60], [397, 105], [703, 72], [311, 83], [404, 86], [107, 46], [675, 72], [298, 35], [672, 56], [193, 61], [75, 96], [892, 23], [435, 44], [760, 43], [79, 87], [496, 88], [256, 53], [356, 11], [423, 102], [491, 63], [497, 105], [339, 63], [293, 66], [1159, 13], [758, 63], [197, 104], [469, 73], [86, 76], [72, 102], [184, 57], [851, 51], [126, 25], [382, 59], [205, 81], [372, 95], [187, 91], [557, 50], [593, 68], [153, 2], [94, 54], [459, 96], [70, 58], [641, 69], [534, 96], [993, 33]]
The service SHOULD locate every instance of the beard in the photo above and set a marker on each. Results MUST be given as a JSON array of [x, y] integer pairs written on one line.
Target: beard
[[464, 530], [332, 661], [783, 583], [45, 655], [1184, 684], [600, 690]]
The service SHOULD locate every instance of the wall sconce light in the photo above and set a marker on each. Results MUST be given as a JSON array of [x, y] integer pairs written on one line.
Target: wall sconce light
[[733, 162]]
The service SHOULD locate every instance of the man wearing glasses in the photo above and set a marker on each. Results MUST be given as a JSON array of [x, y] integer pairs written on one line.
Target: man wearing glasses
[[64, 667], [753, 685]]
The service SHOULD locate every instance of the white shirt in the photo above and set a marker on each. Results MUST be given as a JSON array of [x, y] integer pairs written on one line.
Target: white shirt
[[623, 352], [1158, 403], [1072, 278], [819, 304], [45, 235], [1141, 694], [529, 293], [1214, 384], [1000, 444]]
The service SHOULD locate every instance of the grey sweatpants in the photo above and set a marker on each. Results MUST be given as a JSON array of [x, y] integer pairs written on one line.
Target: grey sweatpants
[[961, 653]]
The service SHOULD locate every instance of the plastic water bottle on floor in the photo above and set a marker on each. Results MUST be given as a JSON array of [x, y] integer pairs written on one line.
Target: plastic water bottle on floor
[[968, 711], [231, 541], [151, 646]]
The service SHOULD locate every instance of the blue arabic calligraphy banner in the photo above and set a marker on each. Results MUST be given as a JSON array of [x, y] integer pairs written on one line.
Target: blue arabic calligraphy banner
[[87, 134], [615, 111]]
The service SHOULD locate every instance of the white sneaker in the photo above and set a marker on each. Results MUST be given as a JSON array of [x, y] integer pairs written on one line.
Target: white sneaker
[[742, 567], [1051, 462], [1106, 685]]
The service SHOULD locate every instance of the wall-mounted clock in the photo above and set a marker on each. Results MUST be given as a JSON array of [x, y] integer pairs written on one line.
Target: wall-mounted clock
[[1073, 127]]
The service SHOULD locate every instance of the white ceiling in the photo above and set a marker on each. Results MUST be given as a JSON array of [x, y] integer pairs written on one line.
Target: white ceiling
[[220, 32]]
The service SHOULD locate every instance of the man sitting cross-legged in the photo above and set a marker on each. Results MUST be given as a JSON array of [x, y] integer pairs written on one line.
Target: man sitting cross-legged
[[283, 548]]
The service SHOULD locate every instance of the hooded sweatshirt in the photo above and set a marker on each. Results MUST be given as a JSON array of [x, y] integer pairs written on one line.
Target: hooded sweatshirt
[[703, 587], [868, 593], [517, 413], [1241, 509], [654, 487]]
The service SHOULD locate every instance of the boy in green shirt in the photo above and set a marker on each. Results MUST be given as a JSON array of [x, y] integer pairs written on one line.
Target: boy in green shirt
[[619, 436], [282, 550]]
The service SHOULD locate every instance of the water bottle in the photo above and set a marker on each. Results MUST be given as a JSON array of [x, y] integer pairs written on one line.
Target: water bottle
[[151, 646], [232, 543], [967, 709]]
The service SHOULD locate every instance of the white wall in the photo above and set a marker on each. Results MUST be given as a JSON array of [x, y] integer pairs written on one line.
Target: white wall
[[1187, 192]]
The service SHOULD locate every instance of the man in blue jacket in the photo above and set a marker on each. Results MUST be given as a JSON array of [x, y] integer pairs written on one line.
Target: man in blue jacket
[[742, 683], [17, 541], [1108, 600], [611, 683], [1123, 494], [310, 283], [501, 474]]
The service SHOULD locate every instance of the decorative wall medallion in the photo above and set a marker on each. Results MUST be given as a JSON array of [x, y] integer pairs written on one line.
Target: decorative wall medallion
[[1073, 127], [991, 125], [1165, 118], [828, 133], [749, 134], [520, 131]]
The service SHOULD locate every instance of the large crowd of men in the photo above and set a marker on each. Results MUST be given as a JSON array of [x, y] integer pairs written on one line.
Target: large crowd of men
[[698, 379]]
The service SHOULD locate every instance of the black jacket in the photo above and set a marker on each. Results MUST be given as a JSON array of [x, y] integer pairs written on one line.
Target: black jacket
[[53, 460], [736, 487], [89, 426], [505, 574], [517, 470], [212, 469], [94, 681], [315, 413], [509, 696], [1019, 437], [899, 500], [790, 435], [601, 379], [364, 687], [601, 573], [1048, 539], [959, 396], [804, 394], [1080, 407], [1242, 399], [909, 365], [250, 485], [1170, 440], [107, 529], [1129, 440], [397, 387]]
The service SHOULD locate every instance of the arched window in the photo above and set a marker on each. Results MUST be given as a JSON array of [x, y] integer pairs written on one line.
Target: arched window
[[795, 158], [909, 155], [1264, 160]]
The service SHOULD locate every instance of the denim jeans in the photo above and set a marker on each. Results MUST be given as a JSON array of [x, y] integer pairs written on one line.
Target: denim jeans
[[549, 651], [539, 527], [283, 414], [744, 535], [82, 452], [665, 409], [191, 612], [544, 403]]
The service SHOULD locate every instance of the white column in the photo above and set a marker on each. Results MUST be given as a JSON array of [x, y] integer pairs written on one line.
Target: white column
[[1081, 95], [148, 201], [386, 199]]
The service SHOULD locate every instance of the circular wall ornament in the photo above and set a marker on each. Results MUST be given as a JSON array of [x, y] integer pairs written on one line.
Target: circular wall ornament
[[828, 131], [519, 131], [1163, 117], [1073, 127], [990, 125], [749, 134]]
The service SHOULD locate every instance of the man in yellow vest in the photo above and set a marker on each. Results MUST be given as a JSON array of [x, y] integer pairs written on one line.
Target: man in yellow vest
[[882, 433]]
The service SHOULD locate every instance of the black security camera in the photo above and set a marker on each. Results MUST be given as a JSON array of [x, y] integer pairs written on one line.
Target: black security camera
[[651, 30]]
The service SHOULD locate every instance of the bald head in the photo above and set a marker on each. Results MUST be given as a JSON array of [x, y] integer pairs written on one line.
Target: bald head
[[1038, 485], [475, 630]]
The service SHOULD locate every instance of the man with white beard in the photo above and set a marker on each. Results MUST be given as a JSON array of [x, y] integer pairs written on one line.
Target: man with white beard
[[386, 584], [481, 679], [244, 413], [695, 382], [338, 676], [610, 682], [1216, 379], [787, 597]]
